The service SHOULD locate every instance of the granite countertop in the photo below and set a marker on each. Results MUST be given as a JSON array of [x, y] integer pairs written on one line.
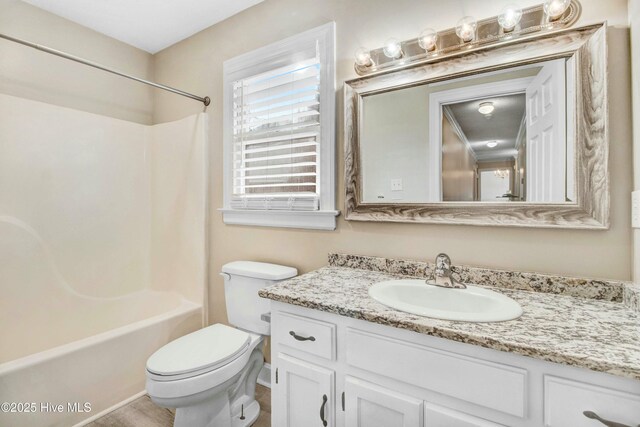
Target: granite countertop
[[594, 333]]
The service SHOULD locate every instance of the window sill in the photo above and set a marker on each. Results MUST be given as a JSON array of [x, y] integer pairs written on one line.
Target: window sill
[[315, 220]]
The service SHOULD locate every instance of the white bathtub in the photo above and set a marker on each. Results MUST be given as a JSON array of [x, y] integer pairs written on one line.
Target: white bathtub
[[102, 254], [99, 360]]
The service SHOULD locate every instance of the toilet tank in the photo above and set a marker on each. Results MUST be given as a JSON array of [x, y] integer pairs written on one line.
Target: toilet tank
[[242, 280]]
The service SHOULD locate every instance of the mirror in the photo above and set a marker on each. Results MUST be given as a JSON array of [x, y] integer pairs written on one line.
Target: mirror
[[499, 136], [511, 134]]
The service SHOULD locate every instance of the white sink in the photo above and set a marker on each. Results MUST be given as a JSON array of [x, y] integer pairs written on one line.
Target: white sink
[[473, 304]]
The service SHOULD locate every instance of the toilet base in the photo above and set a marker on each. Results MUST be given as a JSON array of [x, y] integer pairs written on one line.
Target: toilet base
[[230, 404], [251, 413], [210, 413]]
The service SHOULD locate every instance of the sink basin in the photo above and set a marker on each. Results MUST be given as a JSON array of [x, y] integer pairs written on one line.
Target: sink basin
[[473, 304]]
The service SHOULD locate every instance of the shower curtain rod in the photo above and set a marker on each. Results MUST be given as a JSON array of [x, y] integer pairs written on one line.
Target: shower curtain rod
[[206, 100]]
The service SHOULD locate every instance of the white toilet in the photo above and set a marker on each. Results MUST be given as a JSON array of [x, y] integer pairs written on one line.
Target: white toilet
[[210, 375]]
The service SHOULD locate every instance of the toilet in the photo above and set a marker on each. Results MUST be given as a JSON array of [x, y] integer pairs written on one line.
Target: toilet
[[209, 376]]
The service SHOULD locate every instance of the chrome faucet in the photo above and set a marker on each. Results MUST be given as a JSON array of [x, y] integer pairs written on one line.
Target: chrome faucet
[[442, 274]]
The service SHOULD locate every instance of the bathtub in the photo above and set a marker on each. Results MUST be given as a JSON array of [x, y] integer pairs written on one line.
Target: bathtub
[[102, 255], [64, 370]]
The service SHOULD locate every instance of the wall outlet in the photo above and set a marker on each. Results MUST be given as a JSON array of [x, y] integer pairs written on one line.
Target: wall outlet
[[635, 209], [396, 185]]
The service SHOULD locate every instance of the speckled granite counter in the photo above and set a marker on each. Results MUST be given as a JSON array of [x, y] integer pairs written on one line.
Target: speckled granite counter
[[593, 333]]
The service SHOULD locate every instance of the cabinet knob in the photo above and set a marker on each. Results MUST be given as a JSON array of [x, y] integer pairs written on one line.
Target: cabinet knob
[[324, 403], [300, 338], [592, 415]]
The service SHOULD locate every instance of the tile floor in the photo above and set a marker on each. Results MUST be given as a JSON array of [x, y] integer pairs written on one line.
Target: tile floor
[[143, 412]]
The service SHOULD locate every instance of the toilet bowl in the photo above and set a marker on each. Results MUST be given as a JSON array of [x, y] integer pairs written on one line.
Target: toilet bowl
[[209, 376]]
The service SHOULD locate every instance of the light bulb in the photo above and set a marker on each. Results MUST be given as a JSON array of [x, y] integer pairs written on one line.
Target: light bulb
[[492, 144], [466, 28], [555, 8], [363, 57], [486, 108], [392, 48], [428, 39], [510, 17]]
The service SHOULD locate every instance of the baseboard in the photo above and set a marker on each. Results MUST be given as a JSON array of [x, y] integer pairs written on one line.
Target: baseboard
[[111, 409], [264, 377]]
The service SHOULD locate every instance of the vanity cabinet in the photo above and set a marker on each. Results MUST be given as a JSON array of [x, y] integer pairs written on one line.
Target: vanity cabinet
[[330, 370]]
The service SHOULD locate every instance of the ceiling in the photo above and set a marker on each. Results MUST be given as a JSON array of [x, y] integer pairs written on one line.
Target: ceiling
[[501, 126], [150, 25]]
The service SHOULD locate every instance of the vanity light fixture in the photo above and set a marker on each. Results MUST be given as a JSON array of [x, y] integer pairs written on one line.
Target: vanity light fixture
[[428, 39], [492, 144], [486, 108], [363, 57], [510, 17], [468, 36], [466, 28], [554, 9], [392, 48]]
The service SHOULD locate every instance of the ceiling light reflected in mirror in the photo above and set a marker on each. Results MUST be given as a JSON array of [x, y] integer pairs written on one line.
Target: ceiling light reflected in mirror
[[486, 108]]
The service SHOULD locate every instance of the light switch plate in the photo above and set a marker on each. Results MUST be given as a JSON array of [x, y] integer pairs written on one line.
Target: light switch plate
[[635, 209]]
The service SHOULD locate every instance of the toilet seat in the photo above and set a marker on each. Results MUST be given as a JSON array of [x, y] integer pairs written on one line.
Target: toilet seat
[[197, 353], [181, 385]]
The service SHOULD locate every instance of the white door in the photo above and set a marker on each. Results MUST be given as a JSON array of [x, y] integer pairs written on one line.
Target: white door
[[438, 416], [546, 134], [303, 394], [369, 405]]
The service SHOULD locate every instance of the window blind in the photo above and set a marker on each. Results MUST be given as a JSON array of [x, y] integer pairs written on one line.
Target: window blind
[[276, 135]]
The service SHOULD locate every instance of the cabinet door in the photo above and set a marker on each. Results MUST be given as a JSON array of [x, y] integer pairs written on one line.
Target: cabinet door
[[438, 416], [303, 395], [369, 405]]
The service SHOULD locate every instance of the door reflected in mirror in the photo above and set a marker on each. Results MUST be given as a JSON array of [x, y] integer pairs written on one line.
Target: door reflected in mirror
[[501, 136]]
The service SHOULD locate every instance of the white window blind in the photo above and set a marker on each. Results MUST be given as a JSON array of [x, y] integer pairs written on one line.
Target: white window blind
[[276, 137]]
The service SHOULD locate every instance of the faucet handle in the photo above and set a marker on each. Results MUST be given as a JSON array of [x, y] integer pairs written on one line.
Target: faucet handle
[[443, 265], [442, 274]]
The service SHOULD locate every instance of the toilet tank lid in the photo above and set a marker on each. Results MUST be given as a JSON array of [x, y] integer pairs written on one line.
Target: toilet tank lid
[[259, 270]]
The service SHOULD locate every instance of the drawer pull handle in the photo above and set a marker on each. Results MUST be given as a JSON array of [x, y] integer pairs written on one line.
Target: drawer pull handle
[[299, 338], [594, 416], [324, 403]]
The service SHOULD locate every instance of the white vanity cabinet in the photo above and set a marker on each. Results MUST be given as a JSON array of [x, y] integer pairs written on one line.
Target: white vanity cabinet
[[330, 370]]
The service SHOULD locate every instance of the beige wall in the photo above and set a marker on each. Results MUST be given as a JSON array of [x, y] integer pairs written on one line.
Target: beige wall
[[634, 19], [196, 64], [458, 167], [394, 145], [35, 75]]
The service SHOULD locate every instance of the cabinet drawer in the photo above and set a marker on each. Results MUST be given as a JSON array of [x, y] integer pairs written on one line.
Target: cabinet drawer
[[566, 400], [304, 334], [480, 382]]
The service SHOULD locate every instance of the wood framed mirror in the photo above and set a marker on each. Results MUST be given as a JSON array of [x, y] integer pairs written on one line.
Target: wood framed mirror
[[509, 135]]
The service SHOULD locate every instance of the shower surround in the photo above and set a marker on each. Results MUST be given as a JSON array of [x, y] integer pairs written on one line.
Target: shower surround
[[102, 253]]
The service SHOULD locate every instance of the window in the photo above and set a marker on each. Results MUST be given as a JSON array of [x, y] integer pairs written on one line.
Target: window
[[279, 133]]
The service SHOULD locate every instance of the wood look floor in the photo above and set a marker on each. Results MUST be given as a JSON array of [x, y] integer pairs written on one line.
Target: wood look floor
[[143, 412]]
